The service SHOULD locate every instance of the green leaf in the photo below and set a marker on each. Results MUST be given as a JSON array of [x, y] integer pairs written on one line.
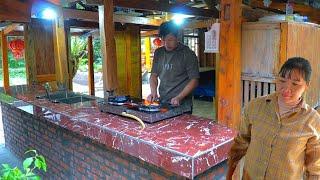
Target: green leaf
[[41, 158], [6, 166], [37, 163], [30, 174], [6, 174], [27, 170], [31, 150], [27, 162], [44, 166], [17, 172]]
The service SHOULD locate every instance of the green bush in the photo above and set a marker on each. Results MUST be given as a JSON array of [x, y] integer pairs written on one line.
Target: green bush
[[29, 165]]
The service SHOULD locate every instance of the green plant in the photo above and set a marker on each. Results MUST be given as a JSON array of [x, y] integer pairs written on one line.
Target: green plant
[[29, 165], [78, 51]]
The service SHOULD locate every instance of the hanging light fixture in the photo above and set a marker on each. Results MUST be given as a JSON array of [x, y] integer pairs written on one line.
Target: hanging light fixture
[[17, 48]]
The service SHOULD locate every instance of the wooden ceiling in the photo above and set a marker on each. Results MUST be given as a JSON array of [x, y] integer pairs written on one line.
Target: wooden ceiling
[[19, 10]]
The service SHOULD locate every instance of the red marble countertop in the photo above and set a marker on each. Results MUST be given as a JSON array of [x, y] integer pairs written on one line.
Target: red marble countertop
[[186, 145]]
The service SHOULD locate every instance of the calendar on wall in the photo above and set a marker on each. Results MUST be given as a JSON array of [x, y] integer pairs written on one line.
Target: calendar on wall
[[212, 39]]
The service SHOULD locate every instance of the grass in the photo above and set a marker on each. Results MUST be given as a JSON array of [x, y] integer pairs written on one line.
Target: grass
[[15, 73]]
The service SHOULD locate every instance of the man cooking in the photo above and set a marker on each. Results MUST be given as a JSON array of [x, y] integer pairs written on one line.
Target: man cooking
[[176, 66]]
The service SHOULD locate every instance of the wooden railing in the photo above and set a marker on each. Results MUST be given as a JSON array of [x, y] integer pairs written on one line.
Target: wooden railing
[[253, 87]]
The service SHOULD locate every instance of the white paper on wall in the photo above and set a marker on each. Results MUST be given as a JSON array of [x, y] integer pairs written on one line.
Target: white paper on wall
[[211, 37]]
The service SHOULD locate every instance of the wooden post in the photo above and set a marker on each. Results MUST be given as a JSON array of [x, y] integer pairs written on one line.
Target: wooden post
[[147, 46], [60, 49], [229, 67], [5, 62], [68, 49], [108, 46], [90, 67]]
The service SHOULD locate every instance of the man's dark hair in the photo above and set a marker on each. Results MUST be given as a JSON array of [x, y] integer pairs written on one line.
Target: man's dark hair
[[168, 27], [298, 63]]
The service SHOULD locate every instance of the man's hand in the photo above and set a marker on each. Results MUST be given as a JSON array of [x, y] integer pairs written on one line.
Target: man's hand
[[153, 97], [176, 101]]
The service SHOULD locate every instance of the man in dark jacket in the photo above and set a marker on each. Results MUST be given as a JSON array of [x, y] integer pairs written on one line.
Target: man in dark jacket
[[176, 65]]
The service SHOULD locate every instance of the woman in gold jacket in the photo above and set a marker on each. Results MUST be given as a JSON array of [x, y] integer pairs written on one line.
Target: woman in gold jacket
[[279, 135]]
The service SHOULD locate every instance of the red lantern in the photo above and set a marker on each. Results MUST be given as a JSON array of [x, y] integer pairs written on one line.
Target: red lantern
[[17, 48], [157, 42]]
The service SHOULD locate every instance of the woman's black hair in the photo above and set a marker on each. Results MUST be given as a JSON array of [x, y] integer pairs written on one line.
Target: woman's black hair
[[298, 63], [168, 27]]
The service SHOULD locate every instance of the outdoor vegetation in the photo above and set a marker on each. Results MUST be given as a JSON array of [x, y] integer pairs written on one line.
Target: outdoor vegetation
[[35, 161], [79, 54], [79, 57], [17, 68]]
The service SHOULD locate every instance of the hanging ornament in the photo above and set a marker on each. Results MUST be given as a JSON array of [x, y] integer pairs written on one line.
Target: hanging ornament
[[17, 48], [157, 42]]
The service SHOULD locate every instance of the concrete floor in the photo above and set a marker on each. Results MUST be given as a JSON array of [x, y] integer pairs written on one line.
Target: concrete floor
[[204, 108]]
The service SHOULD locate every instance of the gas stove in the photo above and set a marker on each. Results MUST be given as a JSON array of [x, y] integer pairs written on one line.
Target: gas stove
[[147, 112]]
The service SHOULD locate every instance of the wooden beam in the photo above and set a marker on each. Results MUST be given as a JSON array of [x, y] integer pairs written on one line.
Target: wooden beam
[[174, 8], [305, 10], [196, 24], [160, 6], [73, 23], [10, 28], [94, 17], [60, 49], [46, 78], [15, 10], [229, 65], [137, 20], [90, 67], [5, 62], [89, 18], [108, 47], [150, 33], [15, 33]]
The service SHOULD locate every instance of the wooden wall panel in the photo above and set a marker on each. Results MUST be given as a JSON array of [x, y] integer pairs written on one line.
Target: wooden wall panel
[[121, 62], [134, 61], [304, 41], [260, 49], [41, 35], [128, 49]]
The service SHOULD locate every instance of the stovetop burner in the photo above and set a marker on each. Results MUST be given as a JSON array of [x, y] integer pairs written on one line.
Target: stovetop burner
[[118, 100], [146, 111]]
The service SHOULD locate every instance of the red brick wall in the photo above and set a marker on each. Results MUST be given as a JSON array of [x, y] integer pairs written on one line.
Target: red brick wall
[[71, 156]]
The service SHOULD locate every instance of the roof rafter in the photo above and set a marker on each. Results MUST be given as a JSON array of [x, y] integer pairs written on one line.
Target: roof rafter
[[312, 13], [160, 6]]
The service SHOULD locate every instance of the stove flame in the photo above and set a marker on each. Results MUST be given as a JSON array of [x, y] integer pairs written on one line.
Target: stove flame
[[150, 103]]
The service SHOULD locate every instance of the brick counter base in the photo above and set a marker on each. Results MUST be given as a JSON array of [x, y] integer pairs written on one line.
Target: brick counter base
[[71, 156]]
